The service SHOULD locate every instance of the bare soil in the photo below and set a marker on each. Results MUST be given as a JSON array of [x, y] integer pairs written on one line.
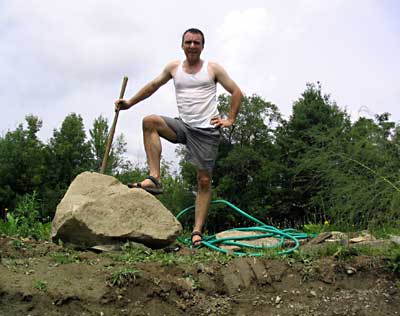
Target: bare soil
[[33, 282]]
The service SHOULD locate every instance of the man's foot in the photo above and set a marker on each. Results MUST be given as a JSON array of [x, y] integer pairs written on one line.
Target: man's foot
[[197, 239], [150, 184]]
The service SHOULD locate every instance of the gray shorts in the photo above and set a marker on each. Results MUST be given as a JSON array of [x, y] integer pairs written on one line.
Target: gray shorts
[[202, 143]]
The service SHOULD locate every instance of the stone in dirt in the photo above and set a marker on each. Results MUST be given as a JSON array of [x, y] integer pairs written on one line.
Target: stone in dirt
[[363, 236], [98, 210], [395, 239], [265, 242], [320, 238]]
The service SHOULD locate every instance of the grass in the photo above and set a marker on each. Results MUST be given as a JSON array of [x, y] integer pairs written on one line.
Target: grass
[[343, 252], [132, 254], [385, 231], [394, 259], [40, 285], [312, 228], [65, 257], [18, 244], [24, 220], [340, 250], [123, 277]]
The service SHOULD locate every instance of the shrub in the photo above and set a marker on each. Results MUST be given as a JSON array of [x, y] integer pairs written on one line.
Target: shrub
[[24, 220]]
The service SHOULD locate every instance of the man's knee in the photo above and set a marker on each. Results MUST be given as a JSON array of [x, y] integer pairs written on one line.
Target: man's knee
[[150, 121], [204, 181]]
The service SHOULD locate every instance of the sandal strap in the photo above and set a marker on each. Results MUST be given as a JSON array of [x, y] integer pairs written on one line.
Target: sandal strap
[[197, 233], [155, 181]]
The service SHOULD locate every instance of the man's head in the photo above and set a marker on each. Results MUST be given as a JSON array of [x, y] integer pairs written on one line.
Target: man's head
[[193, 31], [193, 44]]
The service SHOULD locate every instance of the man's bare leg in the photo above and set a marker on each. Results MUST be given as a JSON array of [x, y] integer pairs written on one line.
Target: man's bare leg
[[202, 205], [155, 127]]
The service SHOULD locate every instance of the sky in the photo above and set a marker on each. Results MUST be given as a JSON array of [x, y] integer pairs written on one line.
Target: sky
[[69, 56]]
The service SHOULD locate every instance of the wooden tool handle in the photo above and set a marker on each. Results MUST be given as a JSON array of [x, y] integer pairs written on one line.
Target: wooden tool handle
[[112, 130]]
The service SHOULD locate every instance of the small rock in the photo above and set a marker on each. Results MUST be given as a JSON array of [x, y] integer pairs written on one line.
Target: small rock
[[320, 238], [392, 290], [200, 267], [278, 299], [351, 270], [313, 293], [395, 239]]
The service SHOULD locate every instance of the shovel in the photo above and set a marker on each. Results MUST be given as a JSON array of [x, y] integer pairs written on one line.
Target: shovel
[[112, 130]]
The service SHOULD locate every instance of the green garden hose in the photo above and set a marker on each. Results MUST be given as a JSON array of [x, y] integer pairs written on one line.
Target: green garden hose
[[263, 231]]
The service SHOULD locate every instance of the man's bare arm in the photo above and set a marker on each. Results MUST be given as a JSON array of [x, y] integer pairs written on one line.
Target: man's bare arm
[[148, 89], [229, 85]]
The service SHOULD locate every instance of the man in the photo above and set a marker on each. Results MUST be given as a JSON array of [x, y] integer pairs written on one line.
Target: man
[[198, 125]]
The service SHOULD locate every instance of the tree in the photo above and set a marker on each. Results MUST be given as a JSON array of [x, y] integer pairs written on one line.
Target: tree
[[22, 164], [98, 142], [365, 190], [69, 151], [338, 170], [315, 128], [67, 155], [247, 172]]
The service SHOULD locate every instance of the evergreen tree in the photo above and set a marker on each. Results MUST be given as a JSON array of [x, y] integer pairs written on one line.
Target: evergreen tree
[[67, 155], [22, 164], [98, 141], [316, 126]]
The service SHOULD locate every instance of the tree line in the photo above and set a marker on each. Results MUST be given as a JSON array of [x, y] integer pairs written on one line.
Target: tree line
[[316, 166], [28, 165]]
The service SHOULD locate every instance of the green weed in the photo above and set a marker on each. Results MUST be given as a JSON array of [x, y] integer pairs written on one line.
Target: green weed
[[313, 228], [123, 277], [271, 253], [133, 254], [385, 231], [394, 259], [18, 244], [10, 226], [24, 221], [65, 257], [40, 285]]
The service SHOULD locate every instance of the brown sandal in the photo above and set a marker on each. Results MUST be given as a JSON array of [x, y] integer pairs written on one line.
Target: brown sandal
[[158, 189], [197, 243]]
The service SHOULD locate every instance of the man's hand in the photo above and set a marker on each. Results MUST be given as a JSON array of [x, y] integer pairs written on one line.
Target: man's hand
[[121, 104], [219, 122]]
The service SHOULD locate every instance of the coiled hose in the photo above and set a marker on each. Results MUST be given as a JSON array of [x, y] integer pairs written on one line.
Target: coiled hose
[[262, 230]]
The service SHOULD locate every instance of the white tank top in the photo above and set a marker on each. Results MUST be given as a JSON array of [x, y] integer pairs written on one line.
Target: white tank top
[[196, 97]]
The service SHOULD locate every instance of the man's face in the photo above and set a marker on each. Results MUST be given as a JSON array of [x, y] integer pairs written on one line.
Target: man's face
[[192, 44]]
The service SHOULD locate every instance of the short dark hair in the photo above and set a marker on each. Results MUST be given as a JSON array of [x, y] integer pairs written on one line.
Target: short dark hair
[[195, 31]]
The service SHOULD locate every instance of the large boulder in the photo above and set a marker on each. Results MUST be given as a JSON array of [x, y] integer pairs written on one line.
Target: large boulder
[[99, 210]]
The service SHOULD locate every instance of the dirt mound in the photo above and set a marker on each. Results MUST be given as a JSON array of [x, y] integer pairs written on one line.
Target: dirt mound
[[41, 278]]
